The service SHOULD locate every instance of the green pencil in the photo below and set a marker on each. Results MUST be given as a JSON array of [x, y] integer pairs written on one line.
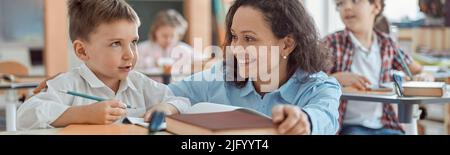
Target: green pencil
[[98, 99], [403, 63]]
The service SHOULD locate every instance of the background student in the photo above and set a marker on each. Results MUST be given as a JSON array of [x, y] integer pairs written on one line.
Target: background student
[[365, 57], [164, 46]]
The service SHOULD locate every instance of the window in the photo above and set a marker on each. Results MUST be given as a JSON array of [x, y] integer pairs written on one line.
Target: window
[[21, 22], [398, 10]]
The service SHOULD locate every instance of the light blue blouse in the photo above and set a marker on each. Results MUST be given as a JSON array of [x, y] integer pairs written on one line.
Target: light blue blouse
[[316, 94]]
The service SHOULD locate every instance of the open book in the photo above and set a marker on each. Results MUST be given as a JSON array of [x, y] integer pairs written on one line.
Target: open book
[[135, 121], [216, 119], [199, 108], [206, 107], [141, 122]]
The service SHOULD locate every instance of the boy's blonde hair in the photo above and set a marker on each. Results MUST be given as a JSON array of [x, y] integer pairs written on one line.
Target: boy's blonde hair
[[169, 18], [86, 15]]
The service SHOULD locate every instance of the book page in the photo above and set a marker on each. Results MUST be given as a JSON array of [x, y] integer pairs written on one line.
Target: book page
[[141, 122], [206, 107], [351, 90], [419, 84]]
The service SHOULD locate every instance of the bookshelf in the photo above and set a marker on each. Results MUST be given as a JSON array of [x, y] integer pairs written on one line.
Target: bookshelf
[[22, 33], [437, 38]]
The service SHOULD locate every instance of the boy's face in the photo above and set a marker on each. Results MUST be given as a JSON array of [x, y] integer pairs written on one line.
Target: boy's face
[[358, 15], [111, 50]]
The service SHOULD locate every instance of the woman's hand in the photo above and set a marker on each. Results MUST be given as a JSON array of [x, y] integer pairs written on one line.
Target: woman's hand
[[43, 84], [291, 120], [424, 77], [166, 108]]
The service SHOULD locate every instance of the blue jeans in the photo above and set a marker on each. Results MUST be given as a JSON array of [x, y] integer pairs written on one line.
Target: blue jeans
[[361, 130]]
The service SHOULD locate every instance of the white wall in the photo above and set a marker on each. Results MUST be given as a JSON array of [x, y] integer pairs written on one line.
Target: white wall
[[325, 15], [21, 55], [328, 20], [400, 9]]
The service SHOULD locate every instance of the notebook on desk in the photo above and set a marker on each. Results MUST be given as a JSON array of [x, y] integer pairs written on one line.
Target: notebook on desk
[[207, 112], [218, 119], [236, 122], [378, 91], [141, 122]]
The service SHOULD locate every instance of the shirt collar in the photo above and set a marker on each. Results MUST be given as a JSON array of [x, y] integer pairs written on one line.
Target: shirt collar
[[359, 45], [94, 82], [249, 88], [127, 83], [290, 89]]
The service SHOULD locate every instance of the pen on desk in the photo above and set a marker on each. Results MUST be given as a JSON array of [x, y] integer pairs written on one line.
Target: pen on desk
[[98, 99], [403, 63]]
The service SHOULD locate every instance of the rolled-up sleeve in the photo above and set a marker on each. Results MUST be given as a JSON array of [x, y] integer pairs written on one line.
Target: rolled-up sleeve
[[192, 88], [181, 103], [322, 108], [156, 93]]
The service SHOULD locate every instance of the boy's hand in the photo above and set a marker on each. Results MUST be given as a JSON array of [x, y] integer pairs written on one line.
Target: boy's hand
[[347, 79], [105, 113], [424, 77], [166, 108], [291, 120]]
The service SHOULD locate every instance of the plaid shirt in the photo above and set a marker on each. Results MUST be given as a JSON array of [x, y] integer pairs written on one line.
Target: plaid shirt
[[343, 49]]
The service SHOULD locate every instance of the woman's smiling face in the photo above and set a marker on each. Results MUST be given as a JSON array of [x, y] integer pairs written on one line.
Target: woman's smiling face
[[252, 42]]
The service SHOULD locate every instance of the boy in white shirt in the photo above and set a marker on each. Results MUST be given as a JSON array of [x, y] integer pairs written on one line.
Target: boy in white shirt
[[104, 35]]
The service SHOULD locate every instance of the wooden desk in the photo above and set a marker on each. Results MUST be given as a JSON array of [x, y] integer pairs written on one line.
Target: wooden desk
[[115, 129], [405, 104]]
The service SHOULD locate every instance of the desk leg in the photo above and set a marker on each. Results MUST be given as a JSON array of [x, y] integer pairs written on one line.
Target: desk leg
[[409, 115], [405, 113], [11, 108], [11, 117]]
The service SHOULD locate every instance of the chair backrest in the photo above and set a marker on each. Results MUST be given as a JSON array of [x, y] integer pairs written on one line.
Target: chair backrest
[[12, 67]]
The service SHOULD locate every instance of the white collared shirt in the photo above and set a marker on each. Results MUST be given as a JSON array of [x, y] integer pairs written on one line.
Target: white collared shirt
[[137, 90], [367, 63]]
